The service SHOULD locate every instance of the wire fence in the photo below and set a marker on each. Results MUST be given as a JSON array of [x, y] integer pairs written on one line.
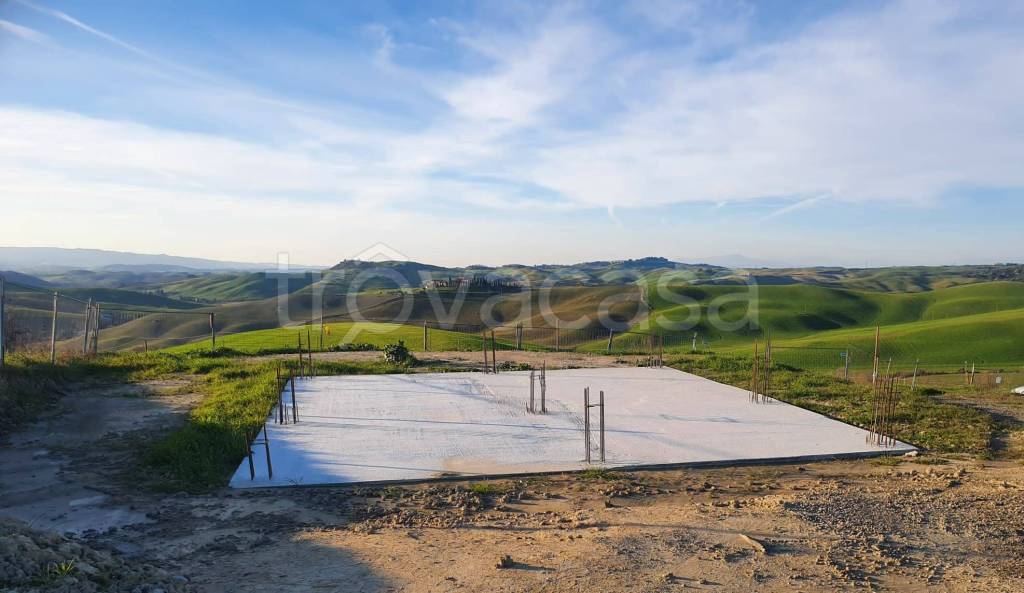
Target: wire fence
[[51, 323]]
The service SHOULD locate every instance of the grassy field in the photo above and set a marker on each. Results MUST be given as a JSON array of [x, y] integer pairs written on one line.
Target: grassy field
[[921, 418], [987, 339], [979, 322], [370, 335]]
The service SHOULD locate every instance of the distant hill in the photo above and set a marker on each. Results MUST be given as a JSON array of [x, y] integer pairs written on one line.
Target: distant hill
[[219, 288], [24, 279], [57, 259], [592, 273]]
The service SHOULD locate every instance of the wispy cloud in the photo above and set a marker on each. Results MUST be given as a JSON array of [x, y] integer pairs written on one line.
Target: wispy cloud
[[564, 109], [26, 33], [794, 207]]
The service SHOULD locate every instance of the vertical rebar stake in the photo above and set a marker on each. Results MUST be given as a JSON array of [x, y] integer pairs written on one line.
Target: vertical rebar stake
[[532, 410], [266, 443], [543, 387], [586, 421], [295, 409], [602, 426]]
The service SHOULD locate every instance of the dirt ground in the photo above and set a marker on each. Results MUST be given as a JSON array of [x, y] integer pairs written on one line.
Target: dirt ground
[[906, 524]]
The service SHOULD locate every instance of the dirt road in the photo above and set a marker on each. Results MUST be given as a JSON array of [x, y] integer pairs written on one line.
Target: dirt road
[[922, 524]]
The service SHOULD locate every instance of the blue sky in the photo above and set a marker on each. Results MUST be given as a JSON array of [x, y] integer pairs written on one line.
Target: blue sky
[[865, 133]]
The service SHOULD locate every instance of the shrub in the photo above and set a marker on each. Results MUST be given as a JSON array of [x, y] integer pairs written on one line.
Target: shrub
[[398, 354]]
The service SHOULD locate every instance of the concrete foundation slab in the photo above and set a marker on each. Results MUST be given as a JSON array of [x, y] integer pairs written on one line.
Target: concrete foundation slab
[[375, 428]]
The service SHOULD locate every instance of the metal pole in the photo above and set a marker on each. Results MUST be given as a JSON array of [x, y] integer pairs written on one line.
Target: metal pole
[[266, 443], [213, 333], [3, 334], [532, 409], [295, 410], [543, 387], [586, 420], [53, 330], [280, 396], [98, 321], [602, 427], [88, 322]]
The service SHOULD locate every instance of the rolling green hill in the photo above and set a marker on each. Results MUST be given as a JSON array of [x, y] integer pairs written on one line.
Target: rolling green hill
[[796, 310], [249, 286], [989, 339]]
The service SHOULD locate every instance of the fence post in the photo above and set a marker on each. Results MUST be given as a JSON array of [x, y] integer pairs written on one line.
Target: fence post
[[611, 334], [913, 382], [558, 345], [3, 334], [96, 332], [53, 330], [88, 322], [213, 333], [426, 341], [846, 370]]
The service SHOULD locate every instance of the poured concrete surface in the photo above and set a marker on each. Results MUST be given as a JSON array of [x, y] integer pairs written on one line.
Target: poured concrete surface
[[411, 427]]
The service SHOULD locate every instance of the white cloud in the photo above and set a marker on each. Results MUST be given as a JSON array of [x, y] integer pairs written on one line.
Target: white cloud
[[901, 103], [23, 32]]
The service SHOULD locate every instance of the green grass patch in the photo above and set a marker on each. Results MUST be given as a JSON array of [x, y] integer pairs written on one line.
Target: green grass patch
[[337, 336], [919, 419], [601, 474], [488, 488]]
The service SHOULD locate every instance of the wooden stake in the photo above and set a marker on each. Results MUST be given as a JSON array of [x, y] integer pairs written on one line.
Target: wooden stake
[[611, 334], [213, 333]]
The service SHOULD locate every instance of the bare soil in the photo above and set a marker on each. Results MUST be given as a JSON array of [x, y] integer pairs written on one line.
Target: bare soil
[[910, 524]]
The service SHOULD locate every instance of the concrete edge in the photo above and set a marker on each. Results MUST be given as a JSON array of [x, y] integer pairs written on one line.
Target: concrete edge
[[642, 467]]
